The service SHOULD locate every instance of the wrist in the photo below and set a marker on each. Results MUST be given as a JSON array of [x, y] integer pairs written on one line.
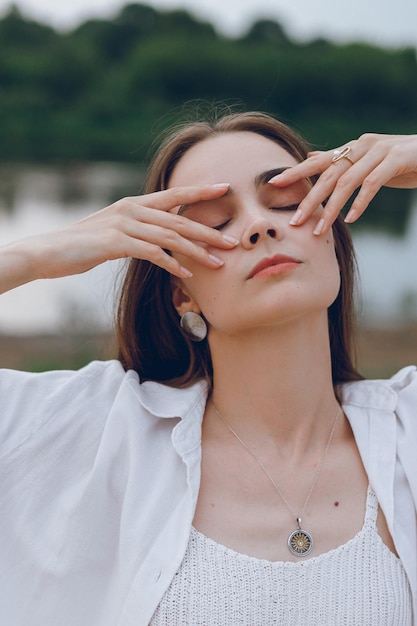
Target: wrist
[[20, 263]]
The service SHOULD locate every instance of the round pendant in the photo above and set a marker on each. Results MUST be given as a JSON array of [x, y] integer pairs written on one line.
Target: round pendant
[[300, 542]]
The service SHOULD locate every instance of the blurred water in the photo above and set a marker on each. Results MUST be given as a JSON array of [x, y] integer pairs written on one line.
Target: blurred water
[[39, 199]]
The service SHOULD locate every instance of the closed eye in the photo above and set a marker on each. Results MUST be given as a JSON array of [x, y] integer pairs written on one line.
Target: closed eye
[[291, 207], [212, 214], [221, 226]]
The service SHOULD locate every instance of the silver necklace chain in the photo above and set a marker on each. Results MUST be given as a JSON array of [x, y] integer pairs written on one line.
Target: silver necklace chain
[[304, 539]]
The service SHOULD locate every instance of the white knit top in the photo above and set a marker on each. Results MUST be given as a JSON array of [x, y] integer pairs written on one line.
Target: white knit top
[[361, 583]]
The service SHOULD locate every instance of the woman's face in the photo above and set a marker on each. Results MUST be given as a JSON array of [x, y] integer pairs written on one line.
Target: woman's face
[[278, 272]]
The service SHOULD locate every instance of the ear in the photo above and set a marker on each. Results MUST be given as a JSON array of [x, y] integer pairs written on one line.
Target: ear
[[182, 300]]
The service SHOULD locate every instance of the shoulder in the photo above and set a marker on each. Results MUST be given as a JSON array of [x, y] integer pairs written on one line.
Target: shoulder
[[84, 401], [19, 389], [29, 401]]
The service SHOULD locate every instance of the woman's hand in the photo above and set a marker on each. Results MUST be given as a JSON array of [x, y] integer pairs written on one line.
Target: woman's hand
[[141, 227], [373, 161]]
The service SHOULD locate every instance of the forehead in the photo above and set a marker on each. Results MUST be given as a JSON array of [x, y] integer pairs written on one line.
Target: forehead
[[230, 158]]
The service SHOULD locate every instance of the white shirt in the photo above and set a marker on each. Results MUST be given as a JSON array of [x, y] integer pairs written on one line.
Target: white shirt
[[99, 482]]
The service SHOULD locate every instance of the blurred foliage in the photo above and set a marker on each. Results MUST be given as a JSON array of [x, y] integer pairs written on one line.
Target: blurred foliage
[[41, 353], [103, 90]]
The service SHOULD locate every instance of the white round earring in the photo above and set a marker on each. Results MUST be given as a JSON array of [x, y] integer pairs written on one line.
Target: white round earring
[[193, 326]]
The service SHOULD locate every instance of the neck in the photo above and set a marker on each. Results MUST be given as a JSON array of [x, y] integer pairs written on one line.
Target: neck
[[276, 383]]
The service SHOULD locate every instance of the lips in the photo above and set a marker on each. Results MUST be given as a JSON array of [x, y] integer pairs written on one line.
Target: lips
[[276, 260]]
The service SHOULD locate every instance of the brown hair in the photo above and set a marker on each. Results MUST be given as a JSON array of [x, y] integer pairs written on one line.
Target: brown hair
[[147, 326]]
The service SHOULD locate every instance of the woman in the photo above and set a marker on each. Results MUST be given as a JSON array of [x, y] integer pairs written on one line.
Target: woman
[[251, 476]]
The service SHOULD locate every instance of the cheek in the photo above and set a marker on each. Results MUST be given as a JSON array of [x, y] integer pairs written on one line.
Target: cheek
[[202, 287], [321, 253], [215, 293], [330, 267]]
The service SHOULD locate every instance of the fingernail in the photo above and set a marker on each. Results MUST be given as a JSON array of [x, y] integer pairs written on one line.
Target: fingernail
[[351, 216], [216, 259], [230, 239], [296, 217], [274, 178], [184, 272], [319, 227], [221, 185]]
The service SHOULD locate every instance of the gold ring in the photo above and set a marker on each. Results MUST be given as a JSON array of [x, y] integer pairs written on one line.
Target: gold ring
[[342, 153]]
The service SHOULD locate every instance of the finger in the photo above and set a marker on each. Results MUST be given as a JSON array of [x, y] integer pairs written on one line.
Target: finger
[[315, 164], [335, 185], [156, 255], [333, 189], [168, 239], [318, 193], [185, 227], [345, 185], [377, 178], [168, 199]]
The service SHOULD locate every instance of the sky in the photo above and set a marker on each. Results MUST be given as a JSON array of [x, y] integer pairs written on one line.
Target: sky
[[381, 22]]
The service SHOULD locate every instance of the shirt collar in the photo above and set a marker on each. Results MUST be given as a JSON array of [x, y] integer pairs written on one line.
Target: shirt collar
[[167, 402], [376, 394]]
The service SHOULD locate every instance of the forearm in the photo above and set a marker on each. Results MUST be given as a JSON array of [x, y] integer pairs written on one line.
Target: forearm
[[20, 263]]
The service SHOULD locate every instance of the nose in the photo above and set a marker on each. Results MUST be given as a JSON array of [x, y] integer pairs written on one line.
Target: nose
[[271, 232], [260, 228]]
